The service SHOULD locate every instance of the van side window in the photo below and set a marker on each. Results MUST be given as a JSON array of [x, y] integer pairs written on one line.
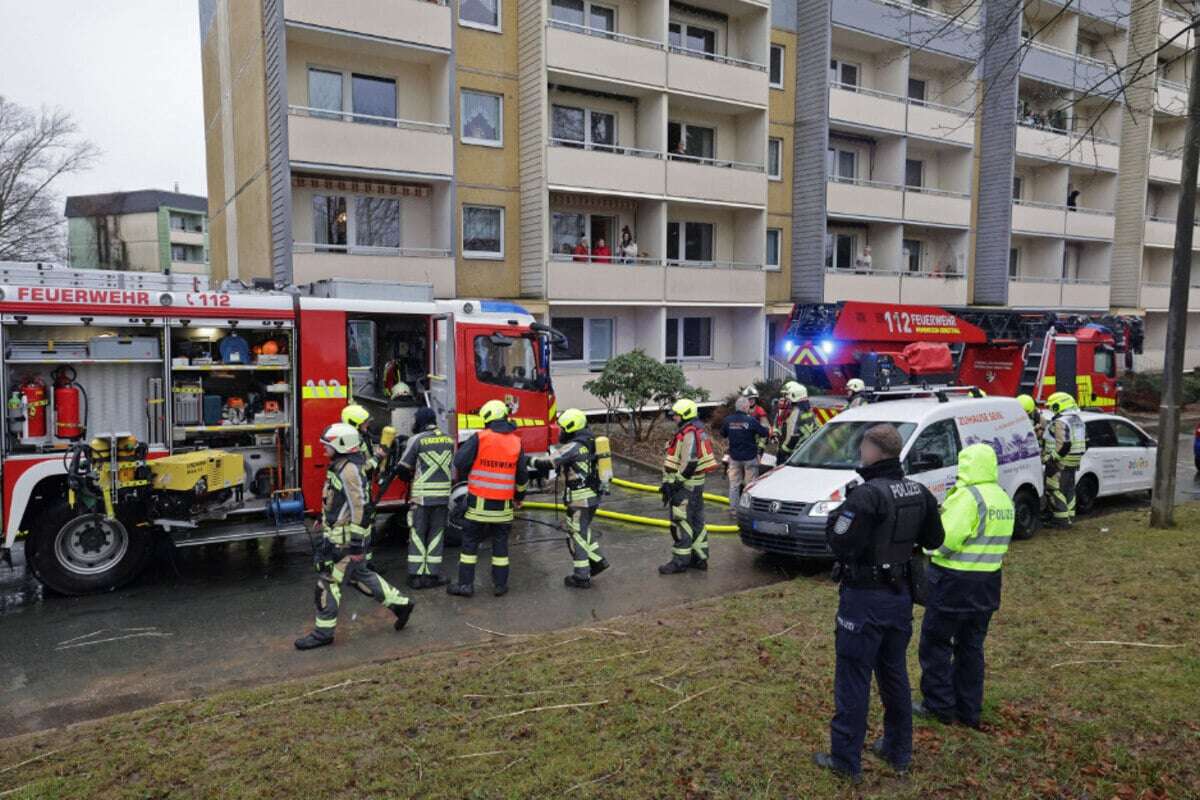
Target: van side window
[[936, 447], [1100, 434]]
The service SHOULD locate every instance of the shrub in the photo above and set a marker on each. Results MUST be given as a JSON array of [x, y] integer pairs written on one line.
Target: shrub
[[634, 383]]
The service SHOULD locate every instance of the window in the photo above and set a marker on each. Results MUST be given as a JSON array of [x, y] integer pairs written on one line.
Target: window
[[1018, 185], [483, 232], [776, 68], [774, 237], [329, 222], [360, 344], [691, 38], [570, 230], [376, 222], [590, 337], [914, 173], [916, 91], [591, 129], [689, 337], [912, 255], [690, 241], [482, 118], [483, 14], [1100, 434], [840, 249], [373, 98], [1014, 262], [842, 165], [774, 159], [844, 74], [187, 224], [325, 92], [1127, 435], [602, 18], [936, 447], [685, 140], [507, 361], [583, 14], [187, 252], [835, 444], [1105, 362]]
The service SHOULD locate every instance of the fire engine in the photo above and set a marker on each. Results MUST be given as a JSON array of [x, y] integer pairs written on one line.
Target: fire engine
[[1003, 352], [142, 405]]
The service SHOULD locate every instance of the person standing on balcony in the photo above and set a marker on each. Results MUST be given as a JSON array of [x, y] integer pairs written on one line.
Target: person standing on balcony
[[603, 253], [582, 252], [628, 249], [1072, 198]]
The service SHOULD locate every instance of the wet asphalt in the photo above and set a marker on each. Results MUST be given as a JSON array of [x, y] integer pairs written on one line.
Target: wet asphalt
[[205, 619]]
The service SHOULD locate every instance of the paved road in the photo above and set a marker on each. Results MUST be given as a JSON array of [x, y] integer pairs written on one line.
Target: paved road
[[227, 616]]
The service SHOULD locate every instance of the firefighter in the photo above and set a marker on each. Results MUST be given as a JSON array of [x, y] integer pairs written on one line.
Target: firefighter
[[426, 464], [856, 393], [340, 558], [493, 462], [964, 589], [1035, 417], [872, 536], [577, 458], [1063, 444], [689, 459], [359, 418], [800, 423]]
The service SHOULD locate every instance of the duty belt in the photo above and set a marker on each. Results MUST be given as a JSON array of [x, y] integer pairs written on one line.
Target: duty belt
[[872, 576]]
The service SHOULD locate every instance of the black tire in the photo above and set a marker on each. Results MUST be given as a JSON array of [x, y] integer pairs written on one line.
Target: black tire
[[1086, 492], [77, 554], [1028, 509]]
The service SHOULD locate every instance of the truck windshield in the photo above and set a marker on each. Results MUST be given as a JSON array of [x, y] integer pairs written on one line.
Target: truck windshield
[[835, 445], [508, 361]]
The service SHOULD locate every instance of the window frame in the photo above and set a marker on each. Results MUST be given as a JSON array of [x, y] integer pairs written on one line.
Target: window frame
[[462, 119], [684, 26], [679, 338], [588, 143], [683, 137], [778, 175], [924, 98], [682, 259], [920, 165], [374, 120], [351, 208], [767, 265], [837, 66], [832, 240], [914, 450], [587, 339], [480, 255], [483, 26], [906, 253], [776, 48], [1014, 263]]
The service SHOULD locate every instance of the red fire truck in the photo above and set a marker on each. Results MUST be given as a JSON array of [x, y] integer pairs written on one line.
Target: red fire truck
[[1003, 352], [141, 405]]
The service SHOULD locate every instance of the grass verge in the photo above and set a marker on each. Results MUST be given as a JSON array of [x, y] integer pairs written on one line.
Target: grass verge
[[719, 699]]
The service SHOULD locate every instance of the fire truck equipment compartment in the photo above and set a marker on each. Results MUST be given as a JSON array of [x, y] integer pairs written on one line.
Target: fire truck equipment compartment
[[130, 347]]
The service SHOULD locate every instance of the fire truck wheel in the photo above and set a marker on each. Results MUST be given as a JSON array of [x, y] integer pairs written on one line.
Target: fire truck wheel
[[1029, 513], [1086, 492], [85, 553]]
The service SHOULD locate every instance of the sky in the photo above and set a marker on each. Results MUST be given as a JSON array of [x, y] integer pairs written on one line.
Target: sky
[[128, 71]]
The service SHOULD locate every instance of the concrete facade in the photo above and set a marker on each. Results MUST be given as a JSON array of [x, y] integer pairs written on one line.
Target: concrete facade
[[146, 231]]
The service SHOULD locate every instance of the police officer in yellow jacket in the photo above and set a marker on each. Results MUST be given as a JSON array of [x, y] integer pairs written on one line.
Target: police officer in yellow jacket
[[964, 589], [427, 464], [1063, 446], [689, 460], [344, 538]]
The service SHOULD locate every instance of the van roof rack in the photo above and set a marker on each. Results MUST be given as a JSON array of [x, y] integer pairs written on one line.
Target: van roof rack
[[943, 393]]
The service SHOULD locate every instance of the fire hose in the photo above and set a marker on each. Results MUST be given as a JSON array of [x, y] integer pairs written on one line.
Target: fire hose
[[637, 519]]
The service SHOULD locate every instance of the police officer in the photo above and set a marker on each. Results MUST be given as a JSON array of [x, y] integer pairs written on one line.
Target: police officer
[[577, 458], [743, 431], [800, 423], [689, 460], [493, 462], [427, 464], [964, 589], [344, 539], [1031, 410], [1063, 445], [872, 536], [856, 393]]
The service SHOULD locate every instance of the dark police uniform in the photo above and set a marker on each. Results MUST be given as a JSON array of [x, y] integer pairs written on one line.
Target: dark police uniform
[[872, 535]]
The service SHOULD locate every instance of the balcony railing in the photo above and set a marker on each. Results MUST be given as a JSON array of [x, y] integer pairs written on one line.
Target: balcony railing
[[629, 261], [1062, 51], [707, 56], [864, 182], [897, 98], [724, 163], [941, 16], [924, 273], [1167, 83], [368, 119], [743, 265], [616, 149], [586, 30], [1026, 122], [937, 192], [370, 250]]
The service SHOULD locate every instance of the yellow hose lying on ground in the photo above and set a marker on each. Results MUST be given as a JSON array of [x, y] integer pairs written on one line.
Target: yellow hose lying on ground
[[645, 487], [636, 519]]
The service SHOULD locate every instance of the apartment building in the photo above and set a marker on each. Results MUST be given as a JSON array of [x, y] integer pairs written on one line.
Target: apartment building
[[148, 231]]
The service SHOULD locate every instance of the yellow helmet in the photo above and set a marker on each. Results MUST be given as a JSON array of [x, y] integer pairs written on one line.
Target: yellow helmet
[[493, 411], [572, 420], [1060, 402], [855, 385], [1027, 403], [355, 415], [685, 409], [342, 438]]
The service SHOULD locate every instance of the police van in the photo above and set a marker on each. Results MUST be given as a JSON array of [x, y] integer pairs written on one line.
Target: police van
[[784, 511]]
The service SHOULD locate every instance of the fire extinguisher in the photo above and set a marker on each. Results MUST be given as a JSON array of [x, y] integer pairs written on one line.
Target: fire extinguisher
[[68, 413], [33, 399]]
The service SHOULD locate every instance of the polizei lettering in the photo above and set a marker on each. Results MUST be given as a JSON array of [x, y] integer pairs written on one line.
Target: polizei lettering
[[92, 297], [905, 489]]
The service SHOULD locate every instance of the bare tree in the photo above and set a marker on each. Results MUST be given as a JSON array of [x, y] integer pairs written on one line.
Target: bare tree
[[36, 149]]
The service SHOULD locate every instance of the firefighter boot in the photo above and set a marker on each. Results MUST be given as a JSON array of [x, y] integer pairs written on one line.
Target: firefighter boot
[[576, 582], [698, 563], [402, 614], [600, 566], [460, 590], [672, 567], [314, 640]]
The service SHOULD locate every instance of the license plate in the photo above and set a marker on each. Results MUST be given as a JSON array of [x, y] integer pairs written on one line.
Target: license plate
[[775, 528]]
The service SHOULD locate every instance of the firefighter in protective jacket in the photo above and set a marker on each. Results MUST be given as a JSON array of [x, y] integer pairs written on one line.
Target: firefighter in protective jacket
[[800, 423], [339, 558], [689, 460], [1063, 446], [578, 459], [426, 464]]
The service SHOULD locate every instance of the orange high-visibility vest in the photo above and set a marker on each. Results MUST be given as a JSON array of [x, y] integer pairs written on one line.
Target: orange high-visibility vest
[[494, 474]]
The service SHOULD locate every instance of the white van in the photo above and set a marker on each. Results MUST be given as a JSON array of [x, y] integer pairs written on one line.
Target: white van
[[784, 511]]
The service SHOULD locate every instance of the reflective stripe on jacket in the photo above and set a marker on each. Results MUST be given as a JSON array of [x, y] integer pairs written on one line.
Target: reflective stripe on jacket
[[493, 475], [429, 455], [978, 516]]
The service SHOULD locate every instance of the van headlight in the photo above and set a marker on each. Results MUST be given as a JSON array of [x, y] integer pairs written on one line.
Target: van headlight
[[744, 502], [824, 508]]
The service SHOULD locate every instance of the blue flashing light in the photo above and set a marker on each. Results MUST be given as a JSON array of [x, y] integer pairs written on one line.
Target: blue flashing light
[[788, 346], [500, 307], [827, 346]]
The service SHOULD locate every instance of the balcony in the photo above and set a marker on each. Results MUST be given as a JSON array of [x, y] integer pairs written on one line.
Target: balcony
[[1170, 97], [1159, 232], [1046, 219], [416, 21], [711, 75], [1054, 144], [1176, 29], [1090, 223], [613, 56], [1035, 292], [894, 286], [353, 141], [937, 207], [867, 108], [312, 262], [944, 123], [602, 168], [847, 197], [187, 237], [189, 267], [716, 180], [650, 280], [1156, 296], [1165, 165]]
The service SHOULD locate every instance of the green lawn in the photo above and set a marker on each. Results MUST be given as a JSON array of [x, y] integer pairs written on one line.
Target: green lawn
[[719, 699]]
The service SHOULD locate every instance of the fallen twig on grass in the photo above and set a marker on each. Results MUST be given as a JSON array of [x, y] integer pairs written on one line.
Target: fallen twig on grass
[[511, 763], [548, 690], [1089, 661], [547, 708], [539, 649], [498, 633], [484, 754], [601, 779], [606, 630], [788, 629], [1128, 644], [690, 698], [611, 658], [38, 757], [292, 699]]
